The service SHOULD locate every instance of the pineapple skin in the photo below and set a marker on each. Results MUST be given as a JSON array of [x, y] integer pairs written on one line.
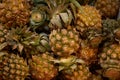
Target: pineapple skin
[[108, 8], [109, 61], [81, 72], [13, 67], [3, 32], [87, 53], [64, 42], [41, 68], [14, 13], [88, 18]]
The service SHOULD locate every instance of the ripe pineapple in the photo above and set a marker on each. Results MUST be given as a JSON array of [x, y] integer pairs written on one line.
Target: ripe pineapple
[[12, 67], [64, 42], [41, 67], [72, 68], [3, 32], [108, 8], [88, 17], [109, 61], [81, 72], [87, 53], [88, 23], [14, 13]]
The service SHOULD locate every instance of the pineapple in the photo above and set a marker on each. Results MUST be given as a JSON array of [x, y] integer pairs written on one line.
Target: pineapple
[[41, 67], [14, 13], [109, 61], [64, 42], [81, 72], [3, 32], [108, 8], [87, 53], [88, 17], [12, 67], [88, 23], [73, 68]]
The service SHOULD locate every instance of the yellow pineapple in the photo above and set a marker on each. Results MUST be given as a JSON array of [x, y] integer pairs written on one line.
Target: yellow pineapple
[[64, 42], [14, 13], [88, 17], [73, 68], [12, 67], [109, 61], [108, 8], [87, 53], [41, 67]]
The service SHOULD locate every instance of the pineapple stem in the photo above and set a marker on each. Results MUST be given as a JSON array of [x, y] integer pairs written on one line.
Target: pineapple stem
[[77, 5]]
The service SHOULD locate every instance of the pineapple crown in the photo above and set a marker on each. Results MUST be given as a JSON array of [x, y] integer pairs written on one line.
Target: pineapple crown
[[22, 39], [38, 16], [19, 38], [56, 6]]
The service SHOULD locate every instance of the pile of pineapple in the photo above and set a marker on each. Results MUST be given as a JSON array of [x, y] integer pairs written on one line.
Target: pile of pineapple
[[59, 40]]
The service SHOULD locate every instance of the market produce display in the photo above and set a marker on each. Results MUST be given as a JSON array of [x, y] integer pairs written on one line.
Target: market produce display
[[59, 39]]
